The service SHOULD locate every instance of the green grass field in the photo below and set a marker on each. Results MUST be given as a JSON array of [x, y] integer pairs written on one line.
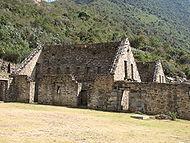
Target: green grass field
[[28, 123]]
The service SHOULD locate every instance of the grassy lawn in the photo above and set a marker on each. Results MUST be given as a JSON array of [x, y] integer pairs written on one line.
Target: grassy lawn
[[27, 123]]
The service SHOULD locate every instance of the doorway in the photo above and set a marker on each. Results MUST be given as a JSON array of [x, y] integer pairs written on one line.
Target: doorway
[[82, 100], [125, 100], [37, 73], [1, 91]]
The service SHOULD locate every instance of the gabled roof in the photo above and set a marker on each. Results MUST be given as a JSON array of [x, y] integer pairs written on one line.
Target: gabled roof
[[89, 55]]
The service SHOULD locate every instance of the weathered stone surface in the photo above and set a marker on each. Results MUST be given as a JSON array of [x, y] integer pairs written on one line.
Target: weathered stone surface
[[59, 90], [124, 65], [6, 68], [158, 98], [151, 72], [143, 117], [27, 67], [100, 93], [21, 90]]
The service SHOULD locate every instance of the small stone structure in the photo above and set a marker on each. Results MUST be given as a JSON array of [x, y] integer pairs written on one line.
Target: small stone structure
[[101, 76], [151, 72], [143, 117]]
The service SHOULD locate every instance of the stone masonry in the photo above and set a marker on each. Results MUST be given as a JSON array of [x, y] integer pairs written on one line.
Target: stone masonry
[[157, 98], [125, 67], [59, 90], [149, 98], [21, 90], [151, 72], [101, 76], [6, 68], [85, 63]]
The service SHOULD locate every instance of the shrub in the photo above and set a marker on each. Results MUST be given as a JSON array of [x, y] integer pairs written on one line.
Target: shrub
[[187, 72], [173, 115], [184, 59], [11, 57], [139, 41], [84, 15]]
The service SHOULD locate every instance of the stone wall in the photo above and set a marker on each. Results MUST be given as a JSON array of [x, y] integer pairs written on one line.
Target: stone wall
[[78, 60], [59, 90], [27, 67], [151, 72], [157, 98], [6, 68], [3, 89], [125, 66], [84, 62], [149, 98], [159, 75], [100, 94], [21, 90]]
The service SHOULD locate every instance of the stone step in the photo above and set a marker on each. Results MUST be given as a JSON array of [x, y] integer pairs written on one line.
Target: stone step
[[143, 117]]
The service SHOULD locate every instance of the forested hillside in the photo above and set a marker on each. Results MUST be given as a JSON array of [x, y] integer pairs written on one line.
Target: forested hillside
[[158, 28]]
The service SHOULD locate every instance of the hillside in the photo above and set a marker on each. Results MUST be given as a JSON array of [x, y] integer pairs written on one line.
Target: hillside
[[158, 30]]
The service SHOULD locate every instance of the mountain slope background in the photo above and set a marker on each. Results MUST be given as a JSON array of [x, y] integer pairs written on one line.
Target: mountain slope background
[[156, 28]]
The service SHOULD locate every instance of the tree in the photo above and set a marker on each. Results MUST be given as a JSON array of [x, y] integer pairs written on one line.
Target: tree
[[139, 41]]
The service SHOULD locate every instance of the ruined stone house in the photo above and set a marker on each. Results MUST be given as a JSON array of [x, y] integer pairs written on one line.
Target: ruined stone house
[[151, 71], [101, 76], [63, 75]]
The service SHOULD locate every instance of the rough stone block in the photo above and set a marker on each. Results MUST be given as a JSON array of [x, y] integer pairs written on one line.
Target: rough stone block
[[143, 117]]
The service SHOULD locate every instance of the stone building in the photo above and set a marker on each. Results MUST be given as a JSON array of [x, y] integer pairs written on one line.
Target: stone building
[[51, 67], [100, 76], [151, 71]]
